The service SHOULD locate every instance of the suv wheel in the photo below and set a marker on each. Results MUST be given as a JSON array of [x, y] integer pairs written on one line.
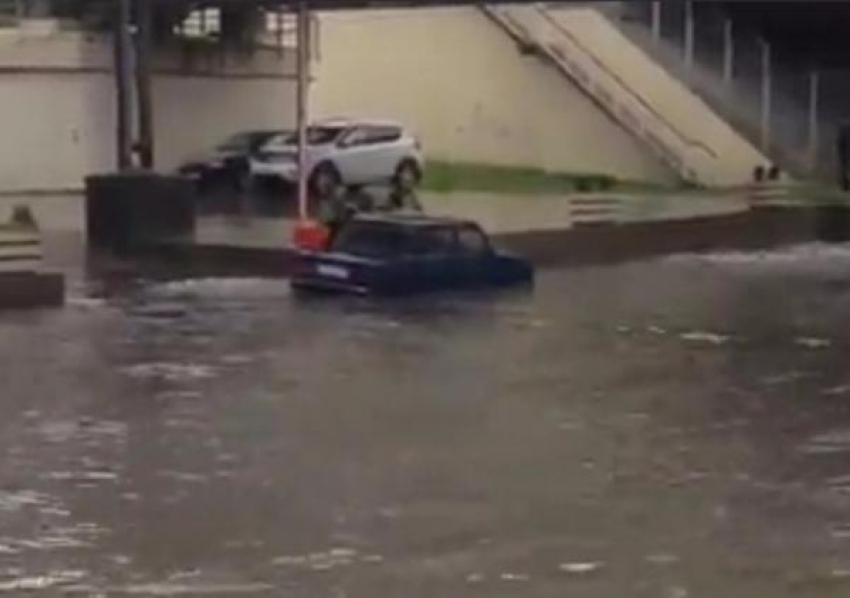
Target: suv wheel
[[325, 180], [240, 178], [407, 175]]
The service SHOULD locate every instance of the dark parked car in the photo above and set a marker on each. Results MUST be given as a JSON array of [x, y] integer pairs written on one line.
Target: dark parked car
[[228, 164], [399, 254]]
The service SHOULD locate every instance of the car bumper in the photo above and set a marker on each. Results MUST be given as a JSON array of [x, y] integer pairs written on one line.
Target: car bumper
[[313, 284], [281, 170], [200, 171]]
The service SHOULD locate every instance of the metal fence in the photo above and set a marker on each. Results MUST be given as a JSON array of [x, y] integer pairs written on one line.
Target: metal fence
[[788, 109]]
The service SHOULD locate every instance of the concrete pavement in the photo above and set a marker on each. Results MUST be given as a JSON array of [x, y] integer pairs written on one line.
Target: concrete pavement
[[495, 211]]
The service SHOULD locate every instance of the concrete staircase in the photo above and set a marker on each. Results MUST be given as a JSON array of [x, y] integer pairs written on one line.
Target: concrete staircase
[[627, 83]]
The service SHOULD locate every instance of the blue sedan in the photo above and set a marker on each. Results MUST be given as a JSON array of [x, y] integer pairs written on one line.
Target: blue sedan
[[395, 254]]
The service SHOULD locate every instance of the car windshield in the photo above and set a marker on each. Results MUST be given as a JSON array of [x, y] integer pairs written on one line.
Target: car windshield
[[237, 143], [372, 240]]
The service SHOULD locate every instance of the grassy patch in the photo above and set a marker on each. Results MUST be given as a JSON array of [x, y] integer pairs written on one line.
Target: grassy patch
[[822, 195], [445, 177]]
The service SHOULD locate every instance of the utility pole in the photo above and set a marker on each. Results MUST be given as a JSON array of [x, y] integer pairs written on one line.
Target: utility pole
[[766, 96], [655, 17], [144, 91], [689, 33], [728, 51], [814, 118], [122, 43]]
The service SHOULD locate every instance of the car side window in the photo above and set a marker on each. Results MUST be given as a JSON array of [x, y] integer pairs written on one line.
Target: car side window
[[372, 135], [471, 241], [432, 241], [275, 142], [370, 240], [356, 137], [383, 134]]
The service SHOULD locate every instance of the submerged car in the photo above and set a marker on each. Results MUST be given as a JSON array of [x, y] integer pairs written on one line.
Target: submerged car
[[228, 164], [341, 152], [401, 254]]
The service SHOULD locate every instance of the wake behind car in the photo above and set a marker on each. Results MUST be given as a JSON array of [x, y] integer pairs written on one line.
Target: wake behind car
[[228, 164], [401, 254], [342, 152]]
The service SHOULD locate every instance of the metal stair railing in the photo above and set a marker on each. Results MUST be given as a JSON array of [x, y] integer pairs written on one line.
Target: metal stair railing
[[610, 92], [737, 102]]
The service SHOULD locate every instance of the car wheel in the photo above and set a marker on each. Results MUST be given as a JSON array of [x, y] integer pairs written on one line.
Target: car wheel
[[325, 180], [205, 184], [243, 181], [260, 184], [407, 175], [239, 177]]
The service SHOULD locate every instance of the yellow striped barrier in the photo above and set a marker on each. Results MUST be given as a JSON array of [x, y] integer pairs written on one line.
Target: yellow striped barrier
[[21, 247]]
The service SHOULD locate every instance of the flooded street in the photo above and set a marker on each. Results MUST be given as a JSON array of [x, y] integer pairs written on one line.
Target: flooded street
[[673, 428]]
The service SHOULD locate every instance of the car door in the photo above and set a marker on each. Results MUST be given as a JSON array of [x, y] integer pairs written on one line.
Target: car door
[[432, 256], [473, 256], [385, 143], [357, 158]]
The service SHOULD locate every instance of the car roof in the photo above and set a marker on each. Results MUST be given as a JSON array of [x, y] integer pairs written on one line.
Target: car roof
[[350, 122], [412, 220], [257, 132]]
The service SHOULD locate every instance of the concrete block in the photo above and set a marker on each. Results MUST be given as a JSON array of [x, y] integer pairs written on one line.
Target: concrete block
[[129, 210], [21, 290], [22, 282], [20, 249]]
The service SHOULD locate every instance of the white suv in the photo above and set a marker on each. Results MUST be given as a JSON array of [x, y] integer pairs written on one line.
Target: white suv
[[352, 153]]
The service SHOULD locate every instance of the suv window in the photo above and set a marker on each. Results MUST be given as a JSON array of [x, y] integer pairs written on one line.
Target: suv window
[[241, 142], [372, 135], [470, 240], [316, 135], [383, 134]]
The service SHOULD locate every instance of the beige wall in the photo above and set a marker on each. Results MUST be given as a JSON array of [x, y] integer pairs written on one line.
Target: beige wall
[[51, 131], [58, 116], [459, 81], [195, 113]]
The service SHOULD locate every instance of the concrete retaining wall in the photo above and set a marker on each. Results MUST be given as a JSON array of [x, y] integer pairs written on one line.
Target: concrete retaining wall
[[58, 113], [460, 81], [756, 229]]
